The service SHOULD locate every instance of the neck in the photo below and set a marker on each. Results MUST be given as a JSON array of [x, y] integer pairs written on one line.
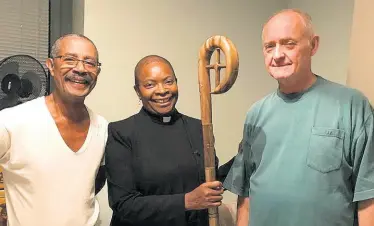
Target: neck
[[72, 110], [169, 118], [297, 83]]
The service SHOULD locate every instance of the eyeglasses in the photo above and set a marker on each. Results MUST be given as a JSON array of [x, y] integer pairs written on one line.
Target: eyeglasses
[[71, 62]]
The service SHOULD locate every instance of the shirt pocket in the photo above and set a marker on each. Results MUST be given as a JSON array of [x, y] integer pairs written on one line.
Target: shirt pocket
[[325, 149]]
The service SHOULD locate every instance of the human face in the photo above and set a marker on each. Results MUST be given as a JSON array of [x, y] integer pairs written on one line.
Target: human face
[[288, 47], [74, 82], [157, 88]]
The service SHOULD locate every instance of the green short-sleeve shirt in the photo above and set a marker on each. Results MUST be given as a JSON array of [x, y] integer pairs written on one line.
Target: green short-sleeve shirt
[[306, 158]]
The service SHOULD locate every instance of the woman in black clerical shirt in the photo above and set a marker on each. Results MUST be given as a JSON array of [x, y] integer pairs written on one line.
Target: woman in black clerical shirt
[[154, 159]]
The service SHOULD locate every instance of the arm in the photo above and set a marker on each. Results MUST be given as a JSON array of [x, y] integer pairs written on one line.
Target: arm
[[127, 203], [225, 168], [242, 215], [100, 179], [363, 169], [366, 213], [238, 180], [4, 140], [101, 174], [365, 178]]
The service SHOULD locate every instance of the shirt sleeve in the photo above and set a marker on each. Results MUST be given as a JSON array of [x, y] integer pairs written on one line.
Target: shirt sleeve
[[102, 162], [237, 180], [224, 169], [363, 166], [4, 140], [128, 204]]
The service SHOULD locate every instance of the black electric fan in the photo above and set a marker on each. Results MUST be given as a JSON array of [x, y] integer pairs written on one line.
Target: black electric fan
[[22, 78]]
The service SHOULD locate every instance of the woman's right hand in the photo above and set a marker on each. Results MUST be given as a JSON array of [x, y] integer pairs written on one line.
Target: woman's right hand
[[208, 194]]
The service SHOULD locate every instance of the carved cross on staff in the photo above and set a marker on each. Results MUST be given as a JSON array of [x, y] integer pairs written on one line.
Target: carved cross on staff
[[217, 66], [214, 43]]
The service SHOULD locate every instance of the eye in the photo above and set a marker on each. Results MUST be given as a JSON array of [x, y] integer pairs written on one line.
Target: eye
[[149, 85], [90, 63], [69, 59], [268, 47], [169, 82], [290, 44]]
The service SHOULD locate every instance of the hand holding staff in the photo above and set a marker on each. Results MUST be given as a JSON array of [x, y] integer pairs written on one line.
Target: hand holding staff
[[205, 196]]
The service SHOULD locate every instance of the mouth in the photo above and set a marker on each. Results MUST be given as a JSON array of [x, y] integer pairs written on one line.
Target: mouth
[[84, 82], [283, 65], [78, 81], [163, 101]]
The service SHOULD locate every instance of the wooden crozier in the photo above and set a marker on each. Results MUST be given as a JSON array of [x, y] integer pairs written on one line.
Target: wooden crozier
[[214, 44]]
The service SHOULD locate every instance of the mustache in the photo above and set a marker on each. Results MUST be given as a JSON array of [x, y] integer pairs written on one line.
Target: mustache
[[80, 77]]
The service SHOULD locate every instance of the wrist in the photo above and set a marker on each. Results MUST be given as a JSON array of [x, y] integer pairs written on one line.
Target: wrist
[[187, 205]]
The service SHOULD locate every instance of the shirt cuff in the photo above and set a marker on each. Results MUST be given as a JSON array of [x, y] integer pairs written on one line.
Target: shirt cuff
[[363, 195], [238, 191]]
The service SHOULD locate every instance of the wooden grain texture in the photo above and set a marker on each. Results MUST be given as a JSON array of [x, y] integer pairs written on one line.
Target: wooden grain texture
[[222, 84]]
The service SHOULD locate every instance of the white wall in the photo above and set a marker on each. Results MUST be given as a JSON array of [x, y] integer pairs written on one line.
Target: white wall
[[125, 31], [332, 20], [361, 52]]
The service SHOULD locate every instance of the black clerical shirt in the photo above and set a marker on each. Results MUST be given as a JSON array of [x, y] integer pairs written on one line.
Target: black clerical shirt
[[151, 164]]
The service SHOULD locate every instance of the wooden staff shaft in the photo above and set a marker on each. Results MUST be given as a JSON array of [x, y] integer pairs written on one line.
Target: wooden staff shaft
[[232, 63], [208, 137]]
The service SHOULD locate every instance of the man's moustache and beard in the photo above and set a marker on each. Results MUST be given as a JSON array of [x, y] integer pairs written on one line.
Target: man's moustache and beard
[[81, 78]]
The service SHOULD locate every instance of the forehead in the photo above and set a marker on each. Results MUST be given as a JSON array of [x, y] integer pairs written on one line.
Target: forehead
[[78, 46], [155, 70], [283, 26]]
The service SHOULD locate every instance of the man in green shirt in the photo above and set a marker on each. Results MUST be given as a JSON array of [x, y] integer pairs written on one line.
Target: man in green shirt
[[307, 153]]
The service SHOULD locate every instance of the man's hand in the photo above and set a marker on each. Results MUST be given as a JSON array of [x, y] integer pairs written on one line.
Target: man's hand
[[205, 196]]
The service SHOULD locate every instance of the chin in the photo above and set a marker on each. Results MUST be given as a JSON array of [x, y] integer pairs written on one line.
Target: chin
[[280, 76], [164, 111], [81, 90], [281, 73], [80, 94]]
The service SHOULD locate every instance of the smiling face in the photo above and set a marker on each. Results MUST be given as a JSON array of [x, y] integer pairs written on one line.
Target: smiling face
[[157, 87], [74, 82], [288, 46]]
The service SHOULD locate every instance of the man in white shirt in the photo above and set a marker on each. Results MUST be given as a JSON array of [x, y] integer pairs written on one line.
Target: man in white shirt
[[51, 148]]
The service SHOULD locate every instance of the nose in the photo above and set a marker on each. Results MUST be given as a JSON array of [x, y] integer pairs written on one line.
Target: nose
[[80, 67], [278, 53], [161, 90]]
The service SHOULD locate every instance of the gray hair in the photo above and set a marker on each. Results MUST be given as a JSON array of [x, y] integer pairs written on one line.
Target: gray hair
[[305, 18], [57, 45]]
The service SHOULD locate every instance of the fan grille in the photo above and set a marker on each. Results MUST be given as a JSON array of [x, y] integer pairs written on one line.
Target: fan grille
[[27, 64]]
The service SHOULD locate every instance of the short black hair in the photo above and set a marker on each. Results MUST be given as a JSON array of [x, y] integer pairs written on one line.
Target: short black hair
[[147, 60]]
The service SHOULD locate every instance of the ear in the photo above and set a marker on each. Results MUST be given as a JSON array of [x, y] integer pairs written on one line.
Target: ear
[[98, 71], [314, 43], [136, 88], [50, 66]]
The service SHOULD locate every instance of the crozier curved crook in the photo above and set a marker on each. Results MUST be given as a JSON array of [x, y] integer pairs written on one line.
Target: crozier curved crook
[[232, 62]]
